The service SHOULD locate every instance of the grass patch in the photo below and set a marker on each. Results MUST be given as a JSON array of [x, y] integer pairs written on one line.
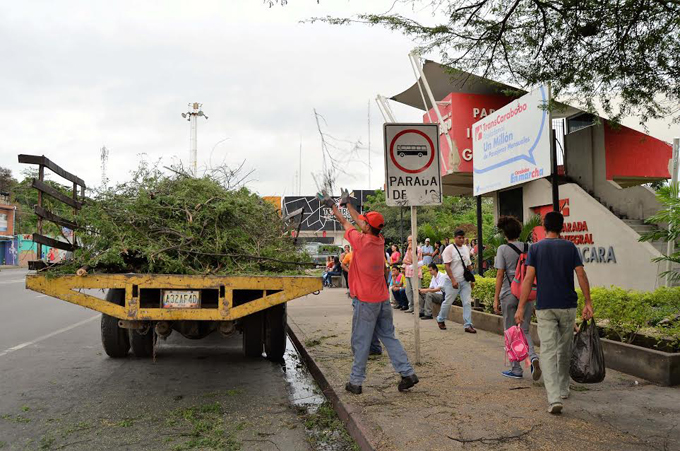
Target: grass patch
[[25, 408], [325, 428], [16, 419], [126, 423], [310, 343], [578, 388], [205, 424], [2, 444], [234, 392], [46, 442]]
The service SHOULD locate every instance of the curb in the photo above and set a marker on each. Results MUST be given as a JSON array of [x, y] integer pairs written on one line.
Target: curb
[[357, 430]]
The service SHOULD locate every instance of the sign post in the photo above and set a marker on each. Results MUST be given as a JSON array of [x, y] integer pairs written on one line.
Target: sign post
[[412, 178]]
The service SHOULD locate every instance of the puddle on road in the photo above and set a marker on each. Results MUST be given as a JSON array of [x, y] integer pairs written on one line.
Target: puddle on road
[[304, 393], [324, 429]]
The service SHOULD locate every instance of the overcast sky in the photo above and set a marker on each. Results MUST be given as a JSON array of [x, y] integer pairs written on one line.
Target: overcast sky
[[80, 75]]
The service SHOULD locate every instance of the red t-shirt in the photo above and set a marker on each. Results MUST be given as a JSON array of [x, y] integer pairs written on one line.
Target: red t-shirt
[[367, 271]]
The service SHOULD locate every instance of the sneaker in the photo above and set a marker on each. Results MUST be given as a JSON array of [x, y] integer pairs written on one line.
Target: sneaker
[[442, 325], [407, 382], [536, 370], [565, 396], [410, 310], [356, 389], [555, 408], [470, 330], [511, 375], [426, 317], [421, 314]]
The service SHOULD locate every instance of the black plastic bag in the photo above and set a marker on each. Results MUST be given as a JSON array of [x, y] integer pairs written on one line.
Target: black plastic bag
[[587, 357]]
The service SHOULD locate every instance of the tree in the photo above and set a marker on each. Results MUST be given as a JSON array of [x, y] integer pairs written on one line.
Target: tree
[[434, 222], [7, 182], [620, 54], [669, 214]]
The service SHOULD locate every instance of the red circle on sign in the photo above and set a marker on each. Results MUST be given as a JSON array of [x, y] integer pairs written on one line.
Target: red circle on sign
[[394, 160]]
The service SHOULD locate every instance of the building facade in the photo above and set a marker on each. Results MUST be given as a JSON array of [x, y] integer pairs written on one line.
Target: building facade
[[603, 169]]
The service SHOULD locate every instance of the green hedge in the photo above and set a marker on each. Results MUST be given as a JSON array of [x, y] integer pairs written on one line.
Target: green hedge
[[483, 290], [629, 313]]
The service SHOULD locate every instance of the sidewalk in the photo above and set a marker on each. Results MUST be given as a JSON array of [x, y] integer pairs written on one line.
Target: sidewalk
[[462, 401]]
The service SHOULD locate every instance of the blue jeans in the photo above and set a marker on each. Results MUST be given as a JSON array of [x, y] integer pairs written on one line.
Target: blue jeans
[[375, 343], [450, 293], [400, 297], [375, 319], [327, 281]]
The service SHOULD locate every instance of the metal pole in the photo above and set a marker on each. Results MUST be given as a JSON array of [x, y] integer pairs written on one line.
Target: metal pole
[[41, 177], [415, 282], [670, 246], [194, 144], [369, 144], [555, 185], [480, 241], [401, 229]]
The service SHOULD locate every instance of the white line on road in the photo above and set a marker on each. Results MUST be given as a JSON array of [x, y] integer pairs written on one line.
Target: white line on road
[[12, 281], [50, 335]]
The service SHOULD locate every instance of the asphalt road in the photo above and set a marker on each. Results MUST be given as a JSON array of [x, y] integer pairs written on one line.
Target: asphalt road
[[58, 390]]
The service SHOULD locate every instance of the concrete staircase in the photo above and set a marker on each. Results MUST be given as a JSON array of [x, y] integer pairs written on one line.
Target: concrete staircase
[[641, 228]]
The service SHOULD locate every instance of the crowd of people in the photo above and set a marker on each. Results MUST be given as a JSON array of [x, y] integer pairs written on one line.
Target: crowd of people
[[373, 272]]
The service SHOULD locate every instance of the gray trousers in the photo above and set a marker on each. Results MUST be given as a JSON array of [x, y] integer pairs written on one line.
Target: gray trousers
[[409, 294], [432, 298], [556, 331], [509, 304]]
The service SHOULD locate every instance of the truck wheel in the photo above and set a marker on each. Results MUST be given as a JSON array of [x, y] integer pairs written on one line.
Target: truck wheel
[[142, 345], [275, 332], [252, 335], [114, 339]]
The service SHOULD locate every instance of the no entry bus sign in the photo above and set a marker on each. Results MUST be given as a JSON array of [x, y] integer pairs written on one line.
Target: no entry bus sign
[[412, 176]]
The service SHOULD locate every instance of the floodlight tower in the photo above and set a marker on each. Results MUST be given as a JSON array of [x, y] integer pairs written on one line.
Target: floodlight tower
[[192, 117]]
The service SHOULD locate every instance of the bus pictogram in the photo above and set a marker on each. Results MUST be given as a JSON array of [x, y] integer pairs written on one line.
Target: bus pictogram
[[411, 149]]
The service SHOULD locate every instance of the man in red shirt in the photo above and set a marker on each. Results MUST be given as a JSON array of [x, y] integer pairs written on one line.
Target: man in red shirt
[[372, 311]]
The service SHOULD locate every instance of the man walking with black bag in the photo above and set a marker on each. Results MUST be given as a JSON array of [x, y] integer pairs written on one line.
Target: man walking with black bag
[[552, 262]]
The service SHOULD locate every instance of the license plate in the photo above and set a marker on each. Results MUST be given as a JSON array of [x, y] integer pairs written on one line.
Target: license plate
[[181, 299]]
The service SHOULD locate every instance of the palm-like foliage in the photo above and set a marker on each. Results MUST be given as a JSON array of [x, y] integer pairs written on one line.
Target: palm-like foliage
[[492, 244], [669, 214]]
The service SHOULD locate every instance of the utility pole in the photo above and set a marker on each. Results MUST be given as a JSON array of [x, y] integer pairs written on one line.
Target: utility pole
[[192, 117], [104, 154], [300, 170], [369, 144]]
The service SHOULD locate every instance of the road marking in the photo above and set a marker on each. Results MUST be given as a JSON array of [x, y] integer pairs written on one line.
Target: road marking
[[12, 281], [50, 335]]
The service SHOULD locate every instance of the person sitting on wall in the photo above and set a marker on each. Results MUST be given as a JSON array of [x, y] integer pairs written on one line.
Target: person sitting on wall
[[336, 270], [435, 293], [398, 289]]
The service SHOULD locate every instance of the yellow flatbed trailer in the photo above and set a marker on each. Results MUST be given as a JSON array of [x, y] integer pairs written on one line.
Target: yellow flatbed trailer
[[138, 308]]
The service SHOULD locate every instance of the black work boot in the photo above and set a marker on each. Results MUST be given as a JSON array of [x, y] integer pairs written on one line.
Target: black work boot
[[356, 389], [407, 382]]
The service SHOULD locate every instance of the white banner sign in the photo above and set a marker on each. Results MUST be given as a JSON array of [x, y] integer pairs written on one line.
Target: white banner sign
[[412, 174], [512, 145]]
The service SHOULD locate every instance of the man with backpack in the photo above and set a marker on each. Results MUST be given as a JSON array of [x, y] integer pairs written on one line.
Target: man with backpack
[[552, 263], [510, 263]]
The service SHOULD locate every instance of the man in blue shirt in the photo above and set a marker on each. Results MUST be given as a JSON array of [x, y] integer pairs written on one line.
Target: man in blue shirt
[[552, 262]]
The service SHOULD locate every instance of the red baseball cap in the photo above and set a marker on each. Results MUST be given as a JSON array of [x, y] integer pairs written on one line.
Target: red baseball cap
[[374, 218]]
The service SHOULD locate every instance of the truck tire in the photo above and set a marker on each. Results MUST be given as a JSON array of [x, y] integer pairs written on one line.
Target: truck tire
[[142, 345], [114, 339], [252, 335], [275, 332]]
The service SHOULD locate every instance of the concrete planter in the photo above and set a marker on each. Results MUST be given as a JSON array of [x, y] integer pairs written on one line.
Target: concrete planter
[[660, 367]]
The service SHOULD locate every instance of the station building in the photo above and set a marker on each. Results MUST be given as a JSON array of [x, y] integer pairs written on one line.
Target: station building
[[603, 171]]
